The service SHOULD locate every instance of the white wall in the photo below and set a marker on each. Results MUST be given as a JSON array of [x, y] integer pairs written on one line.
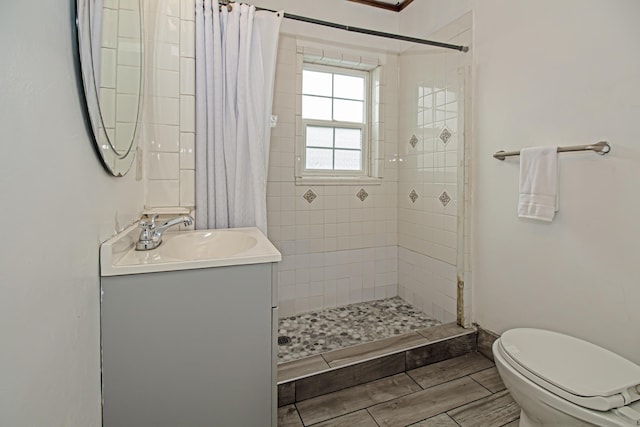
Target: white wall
[[556, 73], [560, 73], [57, 205]]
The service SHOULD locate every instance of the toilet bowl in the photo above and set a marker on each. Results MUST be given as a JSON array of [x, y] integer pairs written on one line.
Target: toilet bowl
[[560, 380]]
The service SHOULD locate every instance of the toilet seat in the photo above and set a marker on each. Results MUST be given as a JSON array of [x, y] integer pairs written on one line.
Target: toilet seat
[[573, 369]]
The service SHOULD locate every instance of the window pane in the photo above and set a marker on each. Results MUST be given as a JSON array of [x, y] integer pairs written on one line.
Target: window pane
[[348, 111], [350, 87], [348, 160], [319, 158], [319, 136], [349, 138], [317, 108], [316, 83]]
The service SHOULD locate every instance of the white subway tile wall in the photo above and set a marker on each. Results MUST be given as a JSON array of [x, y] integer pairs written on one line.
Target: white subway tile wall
[[170, 126], [428, 284], [431, 178]]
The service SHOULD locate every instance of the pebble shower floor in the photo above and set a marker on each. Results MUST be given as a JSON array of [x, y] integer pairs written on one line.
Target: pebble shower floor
[[335, 328]]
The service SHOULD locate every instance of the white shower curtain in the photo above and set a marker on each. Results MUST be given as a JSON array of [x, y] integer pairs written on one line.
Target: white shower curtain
[[235, 70]]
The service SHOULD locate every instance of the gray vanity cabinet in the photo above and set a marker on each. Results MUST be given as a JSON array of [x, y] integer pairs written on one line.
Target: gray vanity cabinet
[[189, 348]]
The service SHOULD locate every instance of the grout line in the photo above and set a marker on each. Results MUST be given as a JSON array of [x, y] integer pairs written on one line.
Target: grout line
[[333, 418], [367, 407], [406, 362], [298, 413], [477, 400], [480, 384], [372, 417], [454, 420], [412, 379], [469, 402], [325, 359], [437, 415], [509, 422]]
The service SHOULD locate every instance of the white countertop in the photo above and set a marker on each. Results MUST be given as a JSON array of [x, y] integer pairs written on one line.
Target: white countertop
[[186, 250]]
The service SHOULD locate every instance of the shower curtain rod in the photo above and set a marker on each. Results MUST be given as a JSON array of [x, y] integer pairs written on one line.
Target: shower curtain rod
[[363, 30]]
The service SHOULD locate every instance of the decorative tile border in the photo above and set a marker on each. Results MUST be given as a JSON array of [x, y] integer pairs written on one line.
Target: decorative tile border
[[445, 135], [444, 198], [362, 194], [413, 196], [309, 196], [413, 141]]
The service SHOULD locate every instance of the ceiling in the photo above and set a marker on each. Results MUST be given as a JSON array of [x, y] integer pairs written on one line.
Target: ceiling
[[393, 5]]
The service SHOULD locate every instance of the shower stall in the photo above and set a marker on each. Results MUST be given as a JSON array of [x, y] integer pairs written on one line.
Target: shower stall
[[358, 251]]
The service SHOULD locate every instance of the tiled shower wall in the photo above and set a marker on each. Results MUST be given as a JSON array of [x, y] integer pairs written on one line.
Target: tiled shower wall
[[337, 249], [170, 105], [430, 178]]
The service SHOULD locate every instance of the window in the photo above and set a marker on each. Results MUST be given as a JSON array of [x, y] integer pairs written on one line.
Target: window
[[334, 120]]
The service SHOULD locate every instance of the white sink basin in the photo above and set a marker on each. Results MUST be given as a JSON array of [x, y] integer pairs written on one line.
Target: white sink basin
[[186, 250], [208, 244]]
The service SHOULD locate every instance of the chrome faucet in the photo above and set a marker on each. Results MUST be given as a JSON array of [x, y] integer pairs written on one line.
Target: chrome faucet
[[151, 234]]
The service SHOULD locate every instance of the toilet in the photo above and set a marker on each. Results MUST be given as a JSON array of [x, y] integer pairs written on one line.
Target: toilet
[[560, 380]]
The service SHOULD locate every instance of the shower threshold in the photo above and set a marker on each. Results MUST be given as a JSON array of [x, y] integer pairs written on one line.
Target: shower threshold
[[334, 370]]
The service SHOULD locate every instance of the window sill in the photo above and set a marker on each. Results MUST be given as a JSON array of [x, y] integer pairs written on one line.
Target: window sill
[[338, 180]]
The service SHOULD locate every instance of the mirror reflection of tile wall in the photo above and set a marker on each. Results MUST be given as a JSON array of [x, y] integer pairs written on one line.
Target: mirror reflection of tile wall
[[118, 72], [170, 121]]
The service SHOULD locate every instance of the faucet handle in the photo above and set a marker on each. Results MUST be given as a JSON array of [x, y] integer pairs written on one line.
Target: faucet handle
[[151, 224]]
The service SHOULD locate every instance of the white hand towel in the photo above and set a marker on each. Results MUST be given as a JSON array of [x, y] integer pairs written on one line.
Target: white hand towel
[[538, 183]]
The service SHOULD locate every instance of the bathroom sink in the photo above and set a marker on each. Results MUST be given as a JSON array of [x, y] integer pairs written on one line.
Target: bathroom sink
[[186, 250], [208, 244]]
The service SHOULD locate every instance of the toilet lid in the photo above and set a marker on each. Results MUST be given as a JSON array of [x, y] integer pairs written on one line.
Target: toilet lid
[[571, 364]]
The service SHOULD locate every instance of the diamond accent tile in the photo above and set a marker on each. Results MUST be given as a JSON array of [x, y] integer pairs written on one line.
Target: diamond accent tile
[[445, 135], [362, 194], [309, 196], [413, 196], [444, 198], [413, 141]]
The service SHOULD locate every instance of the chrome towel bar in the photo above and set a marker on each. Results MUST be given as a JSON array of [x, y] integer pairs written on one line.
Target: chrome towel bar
[[601, 148]]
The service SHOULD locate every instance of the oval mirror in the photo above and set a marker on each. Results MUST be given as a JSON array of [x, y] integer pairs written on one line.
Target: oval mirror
[[110, 43]]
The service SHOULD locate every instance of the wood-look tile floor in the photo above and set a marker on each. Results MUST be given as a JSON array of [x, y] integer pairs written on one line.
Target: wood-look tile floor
[[464, 391]]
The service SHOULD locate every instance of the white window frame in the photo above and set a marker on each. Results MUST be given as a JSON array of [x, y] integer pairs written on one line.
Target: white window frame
[[373, 147], [335, 124]]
